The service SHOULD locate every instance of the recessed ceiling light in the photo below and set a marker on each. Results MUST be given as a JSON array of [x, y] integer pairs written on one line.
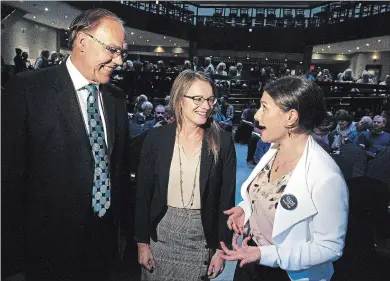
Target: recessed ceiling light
[[317, 52], [52, 23], [165, 37], [66, 32], [367, 44], [66, 17], [342, 53], [34, 17], [285, 60], [300, 62], [133, 42], [379, 40], [322, 49], [46, 9], [132, 33], [170, 40], [147, 40], [266, 58], [67, 39], [328, 46], [349, 50], [174, 44], [249, 46], [357, 48], [229, 57], [250, 29], [247, 58], [175, 55]]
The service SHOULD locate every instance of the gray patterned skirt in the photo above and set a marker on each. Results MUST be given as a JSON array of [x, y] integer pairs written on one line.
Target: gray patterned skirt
[[180, 252]]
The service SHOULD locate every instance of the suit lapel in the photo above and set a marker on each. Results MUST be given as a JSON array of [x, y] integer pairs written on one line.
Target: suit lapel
[[109, 116], [297, 186], [66, 98], [206, 160], [165, 159]]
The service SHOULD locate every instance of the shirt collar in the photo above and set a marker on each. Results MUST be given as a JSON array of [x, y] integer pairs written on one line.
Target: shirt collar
[[79, 81]]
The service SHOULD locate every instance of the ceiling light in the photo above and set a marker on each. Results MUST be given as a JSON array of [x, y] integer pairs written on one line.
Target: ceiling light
[[46, 9], [328, 46], [229, 57], [140, 37], [133, 43], [317, 52], [367, 44], [174, 44], [34, 17], [249, 46], [211, 56], [250, 29], [165, 37], [342, 53], [349, 50], [52, 23], [132, 33], [247, 58], [357, 48], [322, 49], [175, 55], [147, 40], [300, 62], [379, 40], [156, 2], [285, 59], [67, 39], [66, 17], [170, 40], [66, 32], [266, 58]]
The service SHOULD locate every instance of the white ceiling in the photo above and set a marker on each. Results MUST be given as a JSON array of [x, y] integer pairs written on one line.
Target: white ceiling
[[374, 44], [59, 15]]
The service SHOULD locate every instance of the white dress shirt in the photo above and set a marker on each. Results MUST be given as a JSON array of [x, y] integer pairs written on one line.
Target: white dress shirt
[[79, 81]]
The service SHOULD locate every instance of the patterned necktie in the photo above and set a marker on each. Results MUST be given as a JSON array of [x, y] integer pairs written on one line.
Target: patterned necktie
[[101, 179]]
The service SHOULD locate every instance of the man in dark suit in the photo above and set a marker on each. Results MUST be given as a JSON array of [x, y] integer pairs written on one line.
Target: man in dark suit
[[64, 153]]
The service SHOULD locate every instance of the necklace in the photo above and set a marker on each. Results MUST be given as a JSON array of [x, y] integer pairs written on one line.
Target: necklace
[[278, 165], [191, 202]]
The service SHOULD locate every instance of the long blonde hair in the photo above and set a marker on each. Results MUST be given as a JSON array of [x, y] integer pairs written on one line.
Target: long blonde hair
[[180, 87]]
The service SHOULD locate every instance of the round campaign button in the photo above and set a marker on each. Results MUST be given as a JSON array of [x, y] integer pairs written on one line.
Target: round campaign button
[[289, 202]]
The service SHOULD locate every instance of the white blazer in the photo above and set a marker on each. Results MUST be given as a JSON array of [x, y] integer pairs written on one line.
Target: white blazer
[[310, 237]]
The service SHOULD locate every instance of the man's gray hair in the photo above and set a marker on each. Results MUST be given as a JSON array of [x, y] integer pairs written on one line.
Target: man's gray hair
[[88, 20], [159, 106], [147, 105]]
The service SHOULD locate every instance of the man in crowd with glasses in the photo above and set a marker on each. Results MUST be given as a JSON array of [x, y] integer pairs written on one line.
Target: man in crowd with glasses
[[64, 170]]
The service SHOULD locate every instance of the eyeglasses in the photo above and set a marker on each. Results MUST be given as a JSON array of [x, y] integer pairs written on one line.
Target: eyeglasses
[[198, 100], [115, 52]]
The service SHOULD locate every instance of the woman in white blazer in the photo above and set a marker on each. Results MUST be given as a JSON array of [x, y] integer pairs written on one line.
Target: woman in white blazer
[[295, 202]]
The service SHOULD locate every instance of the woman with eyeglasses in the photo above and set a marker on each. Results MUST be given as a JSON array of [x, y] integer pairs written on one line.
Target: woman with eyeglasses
[[186, 178]]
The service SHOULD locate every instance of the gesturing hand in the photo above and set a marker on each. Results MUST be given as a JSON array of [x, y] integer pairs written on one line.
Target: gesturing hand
[[236, 219], [246, 254]]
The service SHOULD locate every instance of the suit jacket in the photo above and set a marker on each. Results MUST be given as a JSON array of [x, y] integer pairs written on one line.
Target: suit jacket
[[47, 170], [217, 185], [310, 237]]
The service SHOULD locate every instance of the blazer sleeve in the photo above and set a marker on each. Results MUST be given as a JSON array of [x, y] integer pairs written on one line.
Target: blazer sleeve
[[145, 188], [328, 229], [14, 161], [228, 188]]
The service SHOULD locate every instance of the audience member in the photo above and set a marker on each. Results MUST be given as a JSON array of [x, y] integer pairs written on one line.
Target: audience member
[[376, 140], [209, 67], [20, 64], [43, 60], [344, 129]]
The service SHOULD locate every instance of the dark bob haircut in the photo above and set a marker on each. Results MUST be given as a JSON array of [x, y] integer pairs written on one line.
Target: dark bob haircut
[[302, 95], [343, 115]]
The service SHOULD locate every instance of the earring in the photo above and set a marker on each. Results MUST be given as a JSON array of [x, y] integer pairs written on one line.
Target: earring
[[289, 133]]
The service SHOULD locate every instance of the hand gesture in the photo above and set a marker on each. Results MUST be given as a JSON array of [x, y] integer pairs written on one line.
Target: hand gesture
[[145, 256], [246, 254], [236, 219], [216, 265]]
